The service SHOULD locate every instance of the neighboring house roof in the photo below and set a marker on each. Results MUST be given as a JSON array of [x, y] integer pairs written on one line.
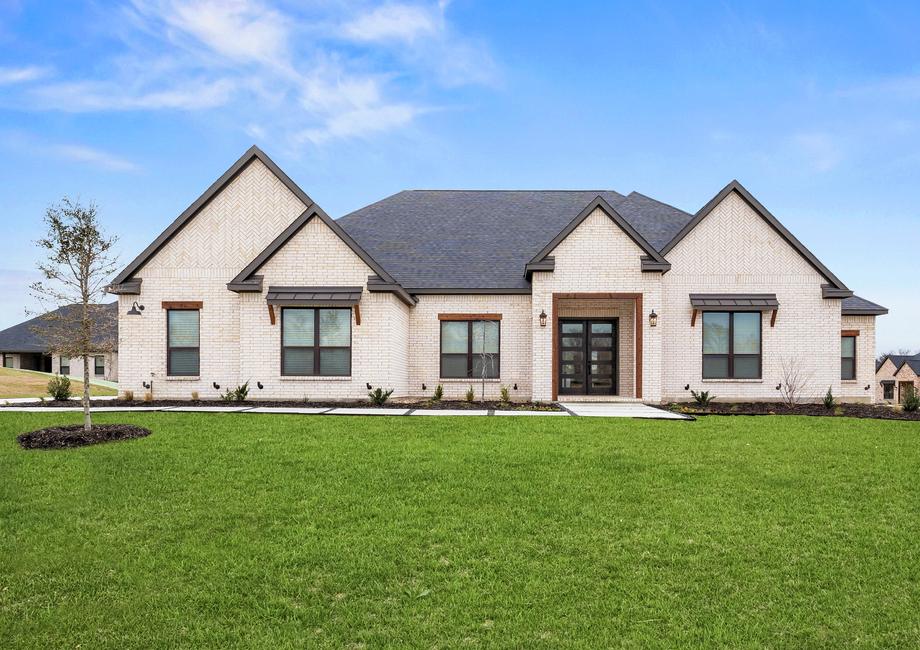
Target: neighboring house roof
[[897, 360], [856, 306], [483, 239], [837, 289], [913, 363], [26, 337]]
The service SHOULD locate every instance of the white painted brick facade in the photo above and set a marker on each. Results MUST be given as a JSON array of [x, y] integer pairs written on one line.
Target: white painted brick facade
[[110, 362], [425, 336], [731, 251]]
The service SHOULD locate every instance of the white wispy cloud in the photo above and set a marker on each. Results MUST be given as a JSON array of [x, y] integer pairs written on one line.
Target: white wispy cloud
[[22, 75], [309, 73], [400, 22], [94, 157]]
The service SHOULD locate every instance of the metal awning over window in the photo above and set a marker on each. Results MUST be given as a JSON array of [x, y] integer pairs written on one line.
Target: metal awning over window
[[314, 296], [734, 301], [887, 382]]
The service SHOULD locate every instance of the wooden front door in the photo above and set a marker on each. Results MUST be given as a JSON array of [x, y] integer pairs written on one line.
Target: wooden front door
[[588, 357]]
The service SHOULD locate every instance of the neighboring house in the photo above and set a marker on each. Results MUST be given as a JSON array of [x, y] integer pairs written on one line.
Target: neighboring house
[[894, 375], [24, 347], [554, 294]]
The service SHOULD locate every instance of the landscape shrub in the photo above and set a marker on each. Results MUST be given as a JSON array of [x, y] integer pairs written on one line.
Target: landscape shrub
[[438, 393], [238, 394], [59, 388], [470, 395], [505, 395], [702, 398], [379, 397], [829, 401], [911, 400], [129, 395]]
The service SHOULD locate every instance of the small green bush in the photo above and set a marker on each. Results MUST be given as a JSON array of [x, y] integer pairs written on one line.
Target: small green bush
[[911, 400], [470, 395], [505, 395], [238, 394], [829, 401], [438, 393], [379, 397], [702, 398], [59, 388]]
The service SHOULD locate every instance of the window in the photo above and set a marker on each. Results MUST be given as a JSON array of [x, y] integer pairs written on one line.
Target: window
[[99, 363], [65, 366], [182, 343], [7, 360], [848, 357], [315, 342], [731, 345], [888, 390], [470, 349]]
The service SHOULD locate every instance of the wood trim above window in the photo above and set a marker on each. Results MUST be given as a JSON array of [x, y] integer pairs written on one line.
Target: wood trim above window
[[182, 304], [469, 316], [849, 333]]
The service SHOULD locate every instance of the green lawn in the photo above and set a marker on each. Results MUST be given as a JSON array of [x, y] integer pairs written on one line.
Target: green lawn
[[286, 531]]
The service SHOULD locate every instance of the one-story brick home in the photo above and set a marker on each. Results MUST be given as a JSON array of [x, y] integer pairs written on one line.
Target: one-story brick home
[[895, 374], [24, 347], [553, 294]]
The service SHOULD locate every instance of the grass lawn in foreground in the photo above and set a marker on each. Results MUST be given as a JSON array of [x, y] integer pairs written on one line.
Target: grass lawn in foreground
[[26, 383], [288, 531]]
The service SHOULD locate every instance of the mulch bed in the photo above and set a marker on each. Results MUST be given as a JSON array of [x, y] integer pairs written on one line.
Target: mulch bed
[[393, 404], [73, 435], [867, 411]]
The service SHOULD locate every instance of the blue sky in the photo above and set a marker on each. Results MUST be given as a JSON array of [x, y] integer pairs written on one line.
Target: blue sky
[[140, 105]]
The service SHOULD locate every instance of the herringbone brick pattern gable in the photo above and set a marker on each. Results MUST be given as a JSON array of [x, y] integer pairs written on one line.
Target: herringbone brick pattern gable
[[233, 228]]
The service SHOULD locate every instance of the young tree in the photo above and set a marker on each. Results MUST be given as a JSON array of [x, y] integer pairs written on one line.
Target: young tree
[[486, 359], [78, 263]]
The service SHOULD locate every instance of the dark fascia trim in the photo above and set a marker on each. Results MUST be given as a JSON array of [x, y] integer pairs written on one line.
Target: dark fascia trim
[[454, 291], [765, 214], [548, 263], [830, 291], [649, 265], [377, 284], [127, 288], [864, 312], [312, 211], [251, 154], [252, 285], [599, 202]]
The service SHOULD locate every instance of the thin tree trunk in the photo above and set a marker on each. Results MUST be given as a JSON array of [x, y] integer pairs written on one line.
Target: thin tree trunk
[[87, 418]]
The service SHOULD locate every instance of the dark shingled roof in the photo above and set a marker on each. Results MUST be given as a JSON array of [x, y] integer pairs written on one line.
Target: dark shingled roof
[[482, 239], [855, 306], [23, 338]]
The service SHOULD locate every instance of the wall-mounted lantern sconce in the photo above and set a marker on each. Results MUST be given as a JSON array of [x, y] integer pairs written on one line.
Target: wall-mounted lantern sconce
[[146, 385], [515, 387], [779, 385], [369, 387], [136, 309], [543, 318], [424, 387], [687, 387], [868, 386], [653, 319], [215, 385], [259, 384]]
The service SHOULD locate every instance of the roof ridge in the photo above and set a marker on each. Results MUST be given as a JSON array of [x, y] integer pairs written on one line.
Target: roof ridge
[[586, 191]]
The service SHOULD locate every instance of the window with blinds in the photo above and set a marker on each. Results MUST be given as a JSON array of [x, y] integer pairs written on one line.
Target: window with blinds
[[182, 343]]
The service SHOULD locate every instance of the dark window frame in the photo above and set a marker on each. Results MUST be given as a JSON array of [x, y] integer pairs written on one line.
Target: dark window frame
[[8, 357], [99, 370], [316, 347], [843, 376], [469, 349], [731, 356], [169, 349], [888, 390], [61, 366]]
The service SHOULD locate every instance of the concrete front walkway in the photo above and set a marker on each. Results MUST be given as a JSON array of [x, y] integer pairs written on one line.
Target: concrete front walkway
[[584, 409]]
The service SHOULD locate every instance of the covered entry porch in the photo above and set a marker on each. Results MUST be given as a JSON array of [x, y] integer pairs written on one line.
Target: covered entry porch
[[597, 346]]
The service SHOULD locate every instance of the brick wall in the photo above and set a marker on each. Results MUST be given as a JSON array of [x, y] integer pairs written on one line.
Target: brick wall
[[227, 234], [425, 335], [596, 257], [733, 250], [855, 390]]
